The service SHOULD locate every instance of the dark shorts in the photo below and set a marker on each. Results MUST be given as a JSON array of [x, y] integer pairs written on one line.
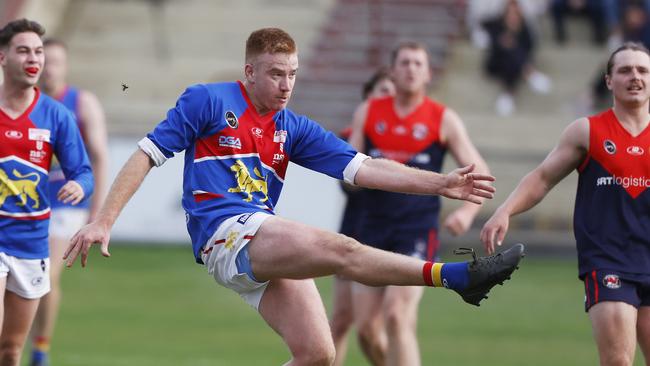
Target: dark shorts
[[607, 285], [420, 243]]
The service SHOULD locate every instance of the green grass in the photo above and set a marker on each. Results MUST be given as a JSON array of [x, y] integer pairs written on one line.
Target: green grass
[[154, 306]]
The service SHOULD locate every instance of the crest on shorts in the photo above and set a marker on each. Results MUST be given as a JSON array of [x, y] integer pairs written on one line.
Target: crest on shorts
[[230, 239], [231, 119], [612, 281]]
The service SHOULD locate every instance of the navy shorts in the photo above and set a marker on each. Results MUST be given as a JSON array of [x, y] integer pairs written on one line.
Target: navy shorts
[[420, 243], [607, 285]]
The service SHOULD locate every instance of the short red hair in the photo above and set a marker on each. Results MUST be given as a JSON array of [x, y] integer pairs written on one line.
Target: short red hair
[[269, 40]]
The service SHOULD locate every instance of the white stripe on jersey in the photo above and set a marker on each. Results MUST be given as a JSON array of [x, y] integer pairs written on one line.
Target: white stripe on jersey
[[25, 214]]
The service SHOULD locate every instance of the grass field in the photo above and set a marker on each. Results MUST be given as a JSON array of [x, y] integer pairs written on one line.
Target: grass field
[[154, 306]]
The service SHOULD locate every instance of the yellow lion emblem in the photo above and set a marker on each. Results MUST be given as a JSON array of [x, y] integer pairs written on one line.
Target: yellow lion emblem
[[246, 183], [22, 188]]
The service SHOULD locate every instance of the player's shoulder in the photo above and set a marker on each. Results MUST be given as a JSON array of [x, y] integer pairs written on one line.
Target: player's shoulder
[[435, 104], [222, 89], [48, 104]]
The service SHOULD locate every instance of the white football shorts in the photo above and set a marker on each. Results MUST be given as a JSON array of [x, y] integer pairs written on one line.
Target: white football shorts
[[65, 222], [226, 256], [28, 278]]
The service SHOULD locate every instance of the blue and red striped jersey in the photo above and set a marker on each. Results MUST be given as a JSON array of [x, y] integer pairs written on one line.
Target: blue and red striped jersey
[[236, 159], [27, 145], [612, 208]]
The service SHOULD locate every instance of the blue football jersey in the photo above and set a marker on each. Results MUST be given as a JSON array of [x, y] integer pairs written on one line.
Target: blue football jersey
[[27, 145], [236, 159]]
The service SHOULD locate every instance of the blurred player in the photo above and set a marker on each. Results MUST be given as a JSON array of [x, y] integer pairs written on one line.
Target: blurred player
[[238, 139], [414, 130], [66, 219], [378, 86], [33, 127], [611, 153]]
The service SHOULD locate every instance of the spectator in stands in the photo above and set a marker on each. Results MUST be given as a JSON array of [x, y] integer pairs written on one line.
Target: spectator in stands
[[509, 58], [594, 10]]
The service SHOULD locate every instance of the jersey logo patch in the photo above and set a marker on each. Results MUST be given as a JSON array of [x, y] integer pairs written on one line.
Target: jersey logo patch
[[257, 132], [231, 119], [635, 150], [229, 141], [280, 136], [246, 183], [21, 188], [610, 147], [39, 134], [14, 135]]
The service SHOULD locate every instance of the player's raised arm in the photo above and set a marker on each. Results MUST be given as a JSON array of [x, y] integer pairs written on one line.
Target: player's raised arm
[[98, 232], [460, 184], [566, 156]]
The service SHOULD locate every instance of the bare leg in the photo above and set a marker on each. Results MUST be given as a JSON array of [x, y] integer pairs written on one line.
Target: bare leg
[[18, 316], [401, 314], [643, 331], [293, 308], [286, 249], [341, 318], [48, 308], [614, 329], [367, 302]]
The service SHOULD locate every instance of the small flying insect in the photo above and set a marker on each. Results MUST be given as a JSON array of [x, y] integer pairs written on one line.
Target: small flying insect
[[124, 86]]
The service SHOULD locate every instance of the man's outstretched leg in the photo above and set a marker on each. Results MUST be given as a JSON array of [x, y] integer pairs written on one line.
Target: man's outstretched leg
[[285, 249]]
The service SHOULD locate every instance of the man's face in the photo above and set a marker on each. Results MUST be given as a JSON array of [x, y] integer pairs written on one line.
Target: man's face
[[411, 70], [272, 77], [22, 60], [630, 77], [55, 65]]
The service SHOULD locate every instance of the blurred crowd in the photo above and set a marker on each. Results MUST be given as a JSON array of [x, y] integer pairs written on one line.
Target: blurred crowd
[[509, 31]]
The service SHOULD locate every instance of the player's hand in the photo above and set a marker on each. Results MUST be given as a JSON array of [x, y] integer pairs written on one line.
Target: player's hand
[[459, 221], [93, 233], [494, 231], [71, 192], [462, 184]]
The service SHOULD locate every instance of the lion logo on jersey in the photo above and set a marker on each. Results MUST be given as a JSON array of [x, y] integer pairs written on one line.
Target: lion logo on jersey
[[246, 183], [22, 188]]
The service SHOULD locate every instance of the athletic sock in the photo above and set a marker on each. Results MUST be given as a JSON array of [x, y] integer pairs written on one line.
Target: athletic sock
[[453, 276], [40, 348], [41, 343]]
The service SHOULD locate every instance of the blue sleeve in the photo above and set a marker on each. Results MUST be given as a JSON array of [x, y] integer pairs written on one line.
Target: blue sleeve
[[317, 149], [185, 122], [69, 149]]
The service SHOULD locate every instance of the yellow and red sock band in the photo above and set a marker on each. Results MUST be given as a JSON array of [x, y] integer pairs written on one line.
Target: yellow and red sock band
[[41, 343], [431, 274]]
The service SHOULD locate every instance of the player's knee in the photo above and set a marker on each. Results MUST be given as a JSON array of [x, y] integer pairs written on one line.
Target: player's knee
[[10, 353], [617, 358], [397, 319], [346, 250], [319, 354], [340, 324], [369, 339]]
